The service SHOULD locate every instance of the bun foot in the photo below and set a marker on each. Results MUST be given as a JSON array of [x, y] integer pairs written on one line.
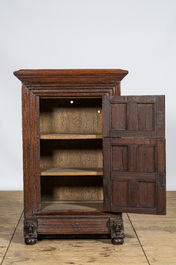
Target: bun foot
[[117, 241], [30, 241]]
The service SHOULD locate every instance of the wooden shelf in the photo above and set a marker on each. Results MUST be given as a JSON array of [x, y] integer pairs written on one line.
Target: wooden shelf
[[72, 205], [72, 171], [55, 136]]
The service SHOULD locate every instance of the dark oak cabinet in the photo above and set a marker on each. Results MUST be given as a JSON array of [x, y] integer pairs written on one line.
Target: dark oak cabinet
[[89, 154]]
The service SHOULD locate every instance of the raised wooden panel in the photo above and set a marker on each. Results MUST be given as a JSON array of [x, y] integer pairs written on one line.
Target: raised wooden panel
[[134, 158], [132, 193], [147, 194], [133, 176], [119, 158], [141, 157], [146, 158], [120, 191], [134, 131], [146, 117], [119, 116], [134, 116]]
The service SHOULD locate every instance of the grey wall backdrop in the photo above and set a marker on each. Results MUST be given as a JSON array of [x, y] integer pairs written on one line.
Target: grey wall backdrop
[[138, 35]]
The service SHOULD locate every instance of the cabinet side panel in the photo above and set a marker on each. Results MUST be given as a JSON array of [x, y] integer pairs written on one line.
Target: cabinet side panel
[[26, 150], [35, 146], [31, 149]]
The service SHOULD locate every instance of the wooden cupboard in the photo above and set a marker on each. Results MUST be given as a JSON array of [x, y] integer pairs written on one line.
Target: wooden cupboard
[[89, 154]]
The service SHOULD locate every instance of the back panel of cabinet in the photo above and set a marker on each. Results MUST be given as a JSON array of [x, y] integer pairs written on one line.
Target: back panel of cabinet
[[71, 158]]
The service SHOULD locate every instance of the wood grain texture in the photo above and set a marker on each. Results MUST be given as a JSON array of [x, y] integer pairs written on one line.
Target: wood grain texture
[[31, 151], [75, 158], [71, 116], [71, 205], [138, 186], [64, 84], [65, 91], [72, 172], [134, 116], [118, 116], [71, 76], [134, 172], [73, 226], [59, 136], [137, 130], [71, 187], [71, 153]]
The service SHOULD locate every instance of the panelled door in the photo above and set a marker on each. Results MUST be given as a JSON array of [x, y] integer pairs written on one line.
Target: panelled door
[[134, 154]]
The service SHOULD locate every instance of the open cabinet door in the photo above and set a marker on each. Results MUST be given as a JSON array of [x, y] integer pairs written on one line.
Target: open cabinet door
[[134, 154]]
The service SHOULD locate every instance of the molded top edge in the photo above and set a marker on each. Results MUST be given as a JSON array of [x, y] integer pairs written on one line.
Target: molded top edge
[[54, 75], [69, 71]]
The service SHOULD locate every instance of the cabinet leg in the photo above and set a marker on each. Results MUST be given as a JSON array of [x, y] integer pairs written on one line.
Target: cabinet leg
[[117, 230], [30, 231]]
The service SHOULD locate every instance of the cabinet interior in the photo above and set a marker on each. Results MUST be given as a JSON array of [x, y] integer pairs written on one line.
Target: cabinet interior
[[71, 157]]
